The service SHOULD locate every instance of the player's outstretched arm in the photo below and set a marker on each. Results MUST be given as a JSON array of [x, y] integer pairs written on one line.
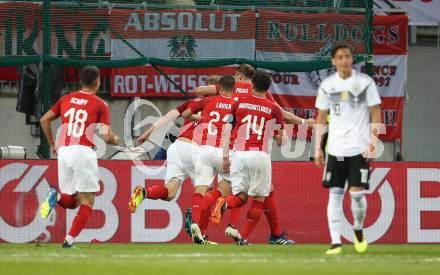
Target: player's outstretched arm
[[163, 120], [188, 114], [293, 119], [208, 90], [320, 129], [45, 122]]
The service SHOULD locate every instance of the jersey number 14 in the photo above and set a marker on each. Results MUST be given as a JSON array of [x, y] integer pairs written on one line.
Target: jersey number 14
[[254, 125]]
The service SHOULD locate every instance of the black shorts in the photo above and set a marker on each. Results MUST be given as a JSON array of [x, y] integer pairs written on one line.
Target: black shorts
[[355, 169]]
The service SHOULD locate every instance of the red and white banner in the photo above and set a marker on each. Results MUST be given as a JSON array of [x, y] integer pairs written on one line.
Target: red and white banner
[[284, 36], [403, 205], [297, 91], [183, 34], [421, 12], [147, 81]]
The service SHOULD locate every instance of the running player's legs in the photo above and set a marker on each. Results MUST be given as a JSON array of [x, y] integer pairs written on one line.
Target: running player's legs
[[66, 196], [86, 179], [177, 171], [358, 176], [334, 178], [65, 171], [259, 170], [205, 173]]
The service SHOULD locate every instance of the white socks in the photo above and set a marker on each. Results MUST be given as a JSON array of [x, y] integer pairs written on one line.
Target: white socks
[[334, 213], [358, 208]]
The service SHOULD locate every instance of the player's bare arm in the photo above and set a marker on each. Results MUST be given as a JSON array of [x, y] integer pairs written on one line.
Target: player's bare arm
[[376, 118], [208, 90], [226, 138], [163, 120], [281, 137], [320, 129], [293, 119], [45, 122], [108, 135]]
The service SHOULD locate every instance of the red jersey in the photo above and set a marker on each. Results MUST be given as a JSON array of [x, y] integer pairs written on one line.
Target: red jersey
[[243, 89], [187, 130], [216, 111], [80, 112], [255, 120]]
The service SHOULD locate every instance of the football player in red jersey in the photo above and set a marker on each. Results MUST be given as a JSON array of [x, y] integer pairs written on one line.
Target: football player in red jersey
[[78, 175], [182, 156], [255, 120], [215, 112], [243, 87]]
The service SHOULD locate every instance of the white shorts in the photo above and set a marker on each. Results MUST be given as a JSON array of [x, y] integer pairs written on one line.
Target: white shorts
[[181, 159], [77, 169], [210, 165], [251, 173]]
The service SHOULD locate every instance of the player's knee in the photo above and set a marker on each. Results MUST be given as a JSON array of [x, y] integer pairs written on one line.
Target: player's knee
[[356, 189], [224, 189], [201, 189], [357, 195], [171, 195]]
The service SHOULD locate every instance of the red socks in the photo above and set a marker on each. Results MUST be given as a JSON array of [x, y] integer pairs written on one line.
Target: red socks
[[209, 199], [157, 192], [80, 220], [196, 207], [67, 201], [233, 201], [270, 211], [234, 215], [253, 216]]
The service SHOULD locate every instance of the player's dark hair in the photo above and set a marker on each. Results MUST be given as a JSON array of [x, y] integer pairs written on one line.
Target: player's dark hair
[[227, 83], [246, 70], [261, 81], [339, 47], [89, 75]]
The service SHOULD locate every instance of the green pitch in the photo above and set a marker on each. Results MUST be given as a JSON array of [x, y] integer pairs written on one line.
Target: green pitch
[[163, 259]]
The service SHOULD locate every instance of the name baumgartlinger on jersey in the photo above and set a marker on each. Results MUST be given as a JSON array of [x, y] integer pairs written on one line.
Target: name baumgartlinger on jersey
[[255, 107]]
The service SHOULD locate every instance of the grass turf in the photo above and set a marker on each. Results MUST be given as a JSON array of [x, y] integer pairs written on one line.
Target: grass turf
[[222, 259]]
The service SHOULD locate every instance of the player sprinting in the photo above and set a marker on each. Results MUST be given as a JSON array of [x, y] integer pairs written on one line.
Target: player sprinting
[[78, 175], [215, 112], [353, 102], [243, 88], [182, 156], [255, 119]]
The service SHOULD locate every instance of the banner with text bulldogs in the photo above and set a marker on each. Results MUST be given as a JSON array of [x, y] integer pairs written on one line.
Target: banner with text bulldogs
[[403, 205]]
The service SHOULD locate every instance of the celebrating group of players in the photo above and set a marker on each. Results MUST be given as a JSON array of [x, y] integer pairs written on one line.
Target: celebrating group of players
[[238, 113], [228, 131]]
